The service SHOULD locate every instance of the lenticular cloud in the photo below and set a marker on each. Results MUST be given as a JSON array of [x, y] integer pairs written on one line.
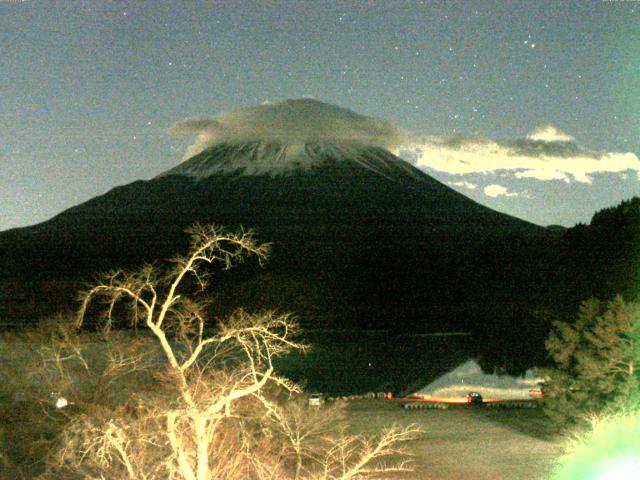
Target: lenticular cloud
[[290, 122], [545, 154]]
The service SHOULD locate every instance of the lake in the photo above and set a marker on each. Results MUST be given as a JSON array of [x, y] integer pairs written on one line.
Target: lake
[[348, 362]]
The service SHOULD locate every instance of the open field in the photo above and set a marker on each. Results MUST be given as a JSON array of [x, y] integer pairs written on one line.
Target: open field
[[464, 443], [467, 443]]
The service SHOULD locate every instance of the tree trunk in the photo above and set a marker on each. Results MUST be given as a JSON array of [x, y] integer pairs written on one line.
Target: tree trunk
[[202, 448]]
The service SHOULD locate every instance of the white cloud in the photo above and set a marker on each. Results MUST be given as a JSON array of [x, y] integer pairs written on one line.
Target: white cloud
[[543, 175], [291, 122], [494, 190], [462, 184], [546, 154], [549, 133], [204, 130]]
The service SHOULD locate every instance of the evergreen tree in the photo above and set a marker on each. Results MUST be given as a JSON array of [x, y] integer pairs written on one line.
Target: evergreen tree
[[596, 361]]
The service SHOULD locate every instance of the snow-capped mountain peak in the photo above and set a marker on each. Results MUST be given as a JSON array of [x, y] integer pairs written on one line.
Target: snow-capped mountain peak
[[273, 158]]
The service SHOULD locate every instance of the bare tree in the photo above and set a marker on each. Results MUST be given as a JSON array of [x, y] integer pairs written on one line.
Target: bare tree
[[215, 415], [323, 450], [306, 432], [356, 457], [156, 301]]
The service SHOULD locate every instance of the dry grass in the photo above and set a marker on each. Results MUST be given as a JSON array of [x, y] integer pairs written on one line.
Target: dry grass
[[457, 444], [467, 443]]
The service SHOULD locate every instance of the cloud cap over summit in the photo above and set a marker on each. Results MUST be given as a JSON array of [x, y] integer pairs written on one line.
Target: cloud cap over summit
[[291, 122], [545, 154]]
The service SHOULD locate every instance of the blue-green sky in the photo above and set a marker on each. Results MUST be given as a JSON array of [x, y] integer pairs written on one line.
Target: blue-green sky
[[88, 90]]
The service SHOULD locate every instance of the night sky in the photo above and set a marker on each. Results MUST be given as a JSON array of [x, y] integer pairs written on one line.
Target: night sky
[[531, 108]]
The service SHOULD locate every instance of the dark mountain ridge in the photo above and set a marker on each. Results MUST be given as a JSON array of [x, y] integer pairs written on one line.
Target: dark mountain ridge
[[360, 237]]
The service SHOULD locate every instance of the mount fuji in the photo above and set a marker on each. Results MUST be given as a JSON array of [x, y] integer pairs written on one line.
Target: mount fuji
[[360, 237]]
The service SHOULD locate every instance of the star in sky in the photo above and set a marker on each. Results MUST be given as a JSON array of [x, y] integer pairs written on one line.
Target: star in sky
[[87, 75]]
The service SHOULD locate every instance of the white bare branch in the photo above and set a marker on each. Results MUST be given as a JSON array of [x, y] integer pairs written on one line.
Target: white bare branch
[[216, 416]]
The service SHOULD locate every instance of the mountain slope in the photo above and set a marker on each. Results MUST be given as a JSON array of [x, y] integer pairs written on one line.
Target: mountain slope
[[359, 235]]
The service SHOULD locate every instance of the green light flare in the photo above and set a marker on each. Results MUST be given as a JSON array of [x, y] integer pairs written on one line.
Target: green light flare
[[611, 450], [622, 469]]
